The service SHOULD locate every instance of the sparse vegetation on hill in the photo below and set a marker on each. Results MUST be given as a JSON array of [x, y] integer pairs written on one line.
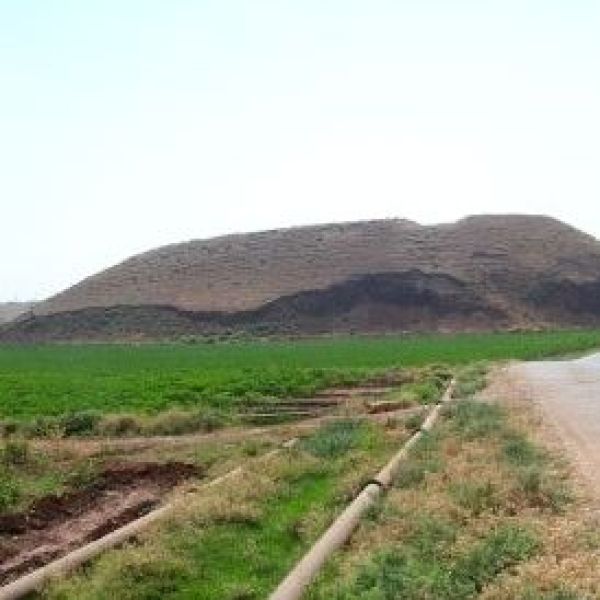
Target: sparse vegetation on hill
[[480, 273]]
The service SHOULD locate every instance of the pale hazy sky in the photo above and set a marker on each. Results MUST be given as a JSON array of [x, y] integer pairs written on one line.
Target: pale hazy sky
[[126, 124]]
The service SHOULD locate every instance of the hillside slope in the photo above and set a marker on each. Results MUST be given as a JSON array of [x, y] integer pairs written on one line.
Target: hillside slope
[[11, 310], [391, 275]]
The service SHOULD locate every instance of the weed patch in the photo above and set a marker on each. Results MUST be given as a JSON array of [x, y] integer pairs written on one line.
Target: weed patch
[[521, 452], [537, 489], [424, 568], [335, 439], [470, 380], [471, 419], [501, 549], [15, 453], [10, 491], [476, 497]]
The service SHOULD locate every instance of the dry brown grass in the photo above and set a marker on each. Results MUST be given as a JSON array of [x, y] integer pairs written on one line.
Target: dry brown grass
[[571, 545], [472, 485]]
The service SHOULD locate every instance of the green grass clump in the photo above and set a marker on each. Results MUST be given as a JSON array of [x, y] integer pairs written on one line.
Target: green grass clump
[[539, 490], [26, 474], [120, 425], [428, 388], [476, 497], [83, 422], [93, 423], [535, 483], [413, 422], [470, 380], [336, 438], [178, 422], [424, 568], [500, 550], [10, 491], [410, 475], [425, 458], [521, 452], [421, 392], [15, 453], [472, 419]]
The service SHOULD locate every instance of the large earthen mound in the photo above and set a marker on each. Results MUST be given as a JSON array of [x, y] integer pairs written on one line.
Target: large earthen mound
[[392, 275], [9, 311]]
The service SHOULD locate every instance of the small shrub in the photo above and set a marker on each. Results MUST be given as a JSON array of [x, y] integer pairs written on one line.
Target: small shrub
[[251, 447], [530, 481], [82, 423], [440, 372], [172, 422], [541, 491], [210, 420], [427, 447], [425, 458], [8, 427], [502, 549], [421, 392], [472, 419], [180, 422], [469, 381], [431, 535], [43, 427], [83, 474], [119, 425], [10, 492], [475, 497], [519, 451], [416, 569], [413, 422], [15, 453], [410, 475], [335, 439]]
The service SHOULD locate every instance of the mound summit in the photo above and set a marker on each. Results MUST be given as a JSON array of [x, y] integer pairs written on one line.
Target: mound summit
[[482, 272]]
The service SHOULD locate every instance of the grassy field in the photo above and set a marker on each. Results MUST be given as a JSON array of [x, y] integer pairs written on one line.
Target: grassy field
[[55, 380], [474, 513], [237, 541], [479, 510]]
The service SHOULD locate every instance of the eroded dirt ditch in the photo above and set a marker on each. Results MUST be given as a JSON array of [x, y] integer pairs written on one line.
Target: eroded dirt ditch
[[54, 525]]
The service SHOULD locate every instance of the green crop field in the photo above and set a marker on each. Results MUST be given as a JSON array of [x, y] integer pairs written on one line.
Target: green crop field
[[59, 379]]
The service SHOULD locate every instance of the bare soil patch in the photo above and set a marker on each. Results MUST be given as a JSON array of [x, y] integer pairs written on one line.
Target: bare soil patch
[[54, 525]]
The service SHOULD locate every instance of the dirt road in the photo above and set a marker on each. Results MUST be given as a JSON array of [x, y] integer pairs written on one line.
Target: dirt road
[[568, 392]]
